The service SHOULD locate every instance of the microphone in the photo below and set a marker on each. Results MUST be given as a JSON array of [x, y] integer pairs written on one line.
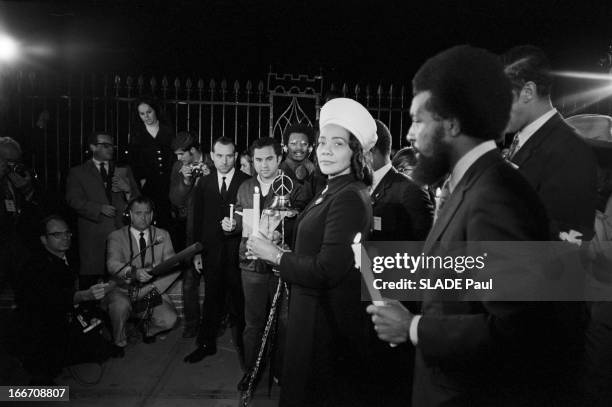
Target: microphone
[[158, 240]]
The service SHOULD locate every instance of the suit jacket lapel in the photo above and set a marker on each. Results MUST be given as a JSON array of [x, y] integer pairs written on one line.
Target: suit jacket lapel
[[233, 186], [90, 166], [535, 141], [383, 185], [456, 199], [446, 215]]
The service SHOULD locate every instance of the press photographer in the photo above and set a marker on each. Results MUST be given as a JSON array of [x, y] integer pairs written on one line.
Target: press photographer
[[18, 210], [50, 335], [186, 172]]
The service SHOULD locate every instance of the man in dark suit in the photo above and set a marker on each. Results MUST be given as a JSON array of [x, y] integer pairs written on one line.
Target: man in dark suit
[[476, 353], [562, 169], [559, 165], [402, 209], [219, 259], [185, 174], [98, 190], [46, 299]]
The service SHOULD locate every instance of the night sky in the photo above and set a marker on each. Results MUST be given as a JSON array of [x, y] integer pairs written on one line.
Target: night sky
[[356, 41]]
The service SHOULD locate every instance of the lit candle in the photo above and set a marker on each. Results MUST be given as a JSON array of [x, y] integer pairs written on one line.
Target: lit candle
[[361, 258], [231, 213], [356, 246], [256, 211]]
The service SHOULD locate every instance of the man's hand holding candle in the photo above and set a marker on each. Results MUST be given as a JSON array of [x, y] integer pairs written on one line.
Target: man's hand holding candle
[[228, 225]]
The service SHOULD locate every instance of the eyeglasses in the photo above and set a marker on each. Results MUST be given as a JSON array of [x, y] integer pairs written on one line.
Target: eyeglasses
[[296, 144], [105, 145], [59, 235]]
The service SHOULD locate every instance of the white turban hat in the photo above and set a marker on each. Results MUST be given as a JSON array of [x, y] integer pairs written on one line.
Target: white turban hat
[[352, 116]]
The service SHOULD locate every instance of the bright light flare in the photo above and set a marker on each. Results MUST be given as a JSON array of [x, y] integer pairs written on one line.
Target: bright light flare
[[8, 48], [583, 75], [586, 98]]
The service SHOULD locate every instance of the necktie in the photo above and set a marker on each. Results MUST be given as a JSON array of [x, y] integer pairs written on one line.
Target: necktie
[[513, 148], [107, 184], [223, 188], [442, 198], [143, 246], [104, 173]]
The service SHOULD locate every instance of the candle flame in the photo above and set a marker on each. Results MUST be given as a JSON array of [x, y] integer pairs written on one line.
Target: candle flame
[[357, 238], [256, 190]]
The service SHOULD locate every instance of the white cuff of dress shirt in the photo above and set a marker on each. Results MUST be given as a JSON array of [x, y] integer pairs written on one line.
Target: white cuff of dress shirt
[[414, 329]]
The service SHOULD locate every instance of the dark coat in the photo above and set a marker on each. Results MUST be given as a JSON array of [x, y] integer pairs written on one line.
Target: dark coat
[[325, 334], [152, 158], [562, 169], [45, 297], [181, 196], [481, 353], [220, 257], [209, 208], [85, 194], [404, 208]]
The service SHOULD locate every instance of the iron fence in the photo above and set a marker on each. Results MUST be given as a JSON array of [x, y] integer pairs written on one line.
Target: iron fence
[[52, 115]]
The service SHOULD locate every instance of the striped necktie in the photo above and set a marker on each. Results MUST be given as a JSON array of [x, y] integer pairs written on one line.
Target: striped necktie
[[513, 148], [442, 198]]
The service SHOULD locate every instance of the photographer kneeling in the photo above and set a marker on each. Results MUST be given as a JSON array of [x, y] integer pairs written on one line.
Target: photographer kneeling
[[47, 298]]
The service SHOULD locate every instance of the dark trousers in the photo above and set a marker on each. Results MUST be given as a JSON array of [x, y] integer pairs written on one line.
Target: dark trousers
[[178, 232], [259, 289], [191, 297], [222, 283]]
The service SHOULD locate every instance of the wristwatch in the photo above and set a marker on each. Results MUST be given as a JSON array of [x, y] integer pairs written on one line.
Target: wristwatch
[[128, 274]]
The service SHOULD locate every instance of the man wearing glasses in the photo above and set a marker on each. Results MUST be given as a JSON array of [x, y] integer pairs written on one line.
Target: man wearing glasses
[[45, 296], [98, 191]]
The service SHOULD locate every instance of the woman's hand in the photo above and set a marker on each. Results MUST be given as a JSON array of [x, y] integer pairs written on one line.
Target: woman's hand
[[259, 247]]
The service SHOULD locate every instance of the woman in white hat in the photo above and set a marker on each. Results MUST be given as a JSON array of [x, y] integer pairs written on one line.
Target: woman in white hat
[[325, 335]]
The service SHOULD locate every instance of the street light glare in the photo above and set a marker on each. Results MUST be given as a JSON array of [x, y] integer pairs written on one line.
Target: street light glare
[[8, 48]]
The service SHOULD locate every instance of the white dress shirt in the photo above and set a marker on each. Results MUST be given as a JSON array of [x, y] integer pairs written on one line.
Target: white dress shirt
[[378, 175], [529, 130], [228, 178], [97, 165], [136, 234]]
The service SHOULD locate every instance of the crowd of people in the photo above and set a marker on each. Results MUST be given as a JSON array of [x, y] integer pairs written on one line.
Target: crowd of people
[[461, 180]]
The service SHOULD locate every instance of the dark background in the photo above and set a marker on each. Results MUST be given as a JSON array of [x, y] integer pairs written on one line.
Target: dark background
[[382, 41]]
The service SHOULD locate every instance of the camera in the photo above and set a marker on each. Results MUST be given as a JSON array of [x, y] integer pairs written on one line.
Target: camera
[[198, 169]]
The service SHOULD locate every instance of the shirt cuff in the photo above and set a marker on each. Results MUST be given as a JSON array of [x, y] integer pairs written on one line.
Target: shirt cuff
[[413, 331]]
